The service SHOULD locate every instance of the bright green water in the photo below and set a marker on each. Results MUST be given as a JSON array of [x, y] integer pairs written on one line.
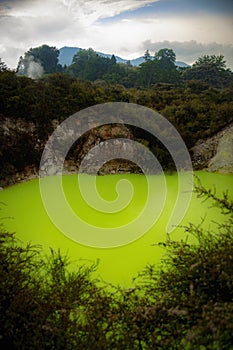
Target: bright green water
[[24, 213]]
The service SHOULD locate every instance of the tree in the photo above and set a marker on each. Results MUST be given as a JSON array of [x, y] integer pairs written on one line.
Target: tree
[[147, 73], [44, 56], [212, 60], [160, 69], [210, 69], [166, 58], [147, 55], [88, 65], [3, 66], [113, 60], [166, 69]]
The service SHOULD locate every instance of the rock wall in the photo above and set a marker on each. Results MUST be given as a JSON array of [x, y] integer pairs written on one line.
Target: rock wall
[[216, 153], [21, 149]]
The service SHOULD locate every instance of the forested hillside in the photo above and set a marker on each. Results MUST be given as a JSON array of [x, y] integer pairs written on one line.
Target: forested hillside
[[197, 101]]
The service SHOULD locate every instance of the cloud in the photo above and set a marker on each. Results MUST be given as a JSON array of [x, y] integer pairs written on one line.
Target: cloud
[[97, 24], [189, 51], [9, 7], [25, 24], [132, 38], [92, 10]]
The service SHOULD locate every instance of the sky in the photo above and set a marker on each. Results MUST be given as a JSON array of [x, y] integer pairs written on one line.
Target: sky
[[124, 27]]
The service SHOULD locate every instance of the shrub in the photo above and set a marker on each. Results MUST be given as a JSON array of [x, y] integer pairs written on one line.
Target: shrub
[[188, 301]]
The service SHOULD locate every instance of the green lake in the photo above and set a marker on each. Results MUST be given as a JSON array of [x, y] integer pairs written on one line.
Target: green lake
[[23, 212]]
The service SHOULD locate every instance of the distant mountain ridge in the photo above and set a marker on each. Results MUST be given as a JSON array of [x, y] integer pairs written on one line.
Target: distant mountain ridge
[[67, 53]]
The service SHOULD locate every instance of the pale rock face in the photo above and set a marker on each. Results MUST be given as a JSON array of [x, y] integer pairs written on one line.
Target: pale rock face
[[223, 160], [216, 153]]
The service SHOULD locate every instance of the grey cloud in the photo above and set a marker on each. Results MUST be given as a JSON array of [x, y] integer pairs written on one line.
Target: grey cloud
[[11, 3], [6, 6], [10, 55], [16, 30], [189, 51], [20, 34]]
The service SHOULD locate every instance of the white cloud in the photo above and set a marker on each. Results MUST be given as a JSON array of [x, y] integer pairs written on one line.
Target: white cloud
[[25, 24], [129, 37], [91, 10], [30, 23]]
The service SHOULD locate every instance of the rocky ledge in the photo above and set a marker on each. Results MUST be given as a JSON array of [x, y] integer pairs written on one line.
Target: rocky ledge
[[216, 153]]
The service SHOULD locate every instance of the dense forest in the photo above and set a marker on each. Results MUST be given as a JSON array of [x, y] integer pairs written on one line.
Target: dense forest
[[160, 68], [196, 100]]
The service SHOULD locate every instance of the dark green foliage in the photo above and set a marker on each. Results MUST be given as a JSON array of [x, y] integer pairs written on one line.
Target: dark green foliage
[[18, 151], [88, 65], [166, 57], [216, 61], [20, 290], [195, 109], [211, 70], [45, 306], [188, 302], [160, 69]]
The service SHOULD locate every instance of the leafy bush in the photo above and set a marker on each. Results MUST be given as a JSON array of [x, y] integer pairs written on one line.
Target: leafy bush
[[188, 302], [45, 306]]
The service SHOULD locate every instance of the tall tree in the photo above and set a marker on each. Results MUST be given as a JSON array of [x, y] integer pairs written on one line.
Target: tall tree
[[166, 58], [211, 60], [113, 60], [166, 68], [87, 64], [210, 69], [160, 69], [46, 56], [147, 73], [147, 55]]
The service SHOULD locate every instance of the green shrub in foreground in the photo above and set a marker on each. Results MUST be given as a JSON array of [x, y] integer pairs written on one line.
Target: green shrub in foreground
[[188, 303], [45, 306]]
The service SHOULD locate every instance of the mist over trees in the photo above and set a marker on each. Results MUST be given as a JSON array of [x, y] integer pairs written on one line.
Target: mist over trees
[[39, 60]]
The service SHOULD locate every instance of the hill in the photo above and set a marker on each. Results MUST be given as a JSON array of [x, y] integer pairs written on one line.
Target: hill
[[67, 53]]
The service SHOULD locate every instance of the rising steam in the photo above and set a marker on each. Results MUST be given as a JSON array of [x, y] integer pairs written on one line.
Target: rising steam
[[30, 68]]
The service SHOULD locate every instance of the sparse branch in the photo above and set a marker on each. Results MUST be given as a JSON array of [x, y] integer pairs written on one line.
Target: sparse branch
[[224, 203]]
